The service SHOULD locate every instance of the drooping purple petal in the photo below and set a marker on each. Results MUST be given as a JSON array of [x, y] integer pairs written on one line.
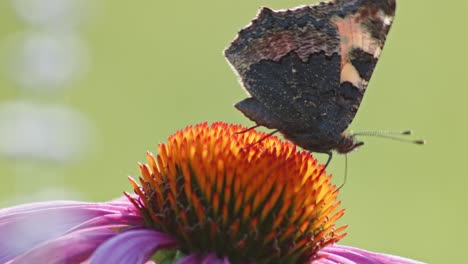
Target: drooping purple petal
[[74, 247], [132, 246], [113, 219], [199, 258], [349, 255], [26, 226], [116, 205]]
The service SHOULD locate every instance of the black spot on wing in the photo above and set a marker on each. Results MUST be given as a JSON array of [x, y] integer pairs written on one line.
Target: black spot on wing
[[349, 92], [363, 62]]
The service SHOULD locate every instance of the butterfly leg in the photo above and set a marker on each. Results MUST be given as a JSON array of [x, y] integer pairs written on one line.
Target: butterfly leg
[[248, 129], [330, 155], [263, 138]]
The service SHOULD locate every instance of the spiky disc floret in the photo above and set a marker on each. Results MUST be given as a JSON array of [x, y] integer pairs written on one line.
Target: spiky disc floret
[[216, 191]]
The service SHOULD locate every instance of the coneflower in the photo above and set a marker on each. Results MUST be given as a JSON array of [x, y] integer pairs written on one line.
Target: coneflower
[[210, 195]]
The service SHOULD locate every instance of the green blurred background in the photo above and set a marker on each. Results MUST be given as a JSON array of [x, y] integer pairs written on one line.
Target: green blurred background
[[153, 67]]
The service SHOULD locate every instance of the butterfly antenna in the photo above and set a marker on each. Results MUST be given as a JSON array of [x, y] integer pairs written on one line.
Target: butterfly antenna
[[248, 129], [345, 174], [263, 138], [393, 135]]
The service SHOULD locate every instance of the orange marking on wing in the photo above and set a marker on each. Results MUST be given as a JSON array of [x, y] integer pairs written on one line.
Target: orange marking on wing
[[350, 74], [353, 35]]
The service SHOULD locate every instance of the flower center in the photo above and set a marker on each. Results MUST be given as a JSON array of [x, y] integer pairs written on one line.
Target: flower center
[[218, 191]]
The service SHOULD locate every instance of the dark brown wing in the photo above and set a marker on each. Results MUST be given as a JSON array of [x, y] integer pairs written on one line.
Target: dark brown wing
[[310, 66]]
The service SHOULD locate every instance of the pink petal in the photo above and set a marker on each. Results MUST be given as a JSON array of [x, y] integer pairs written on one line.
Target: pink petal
[[132, 246], [350, 255], [26, 226], [71, 248]]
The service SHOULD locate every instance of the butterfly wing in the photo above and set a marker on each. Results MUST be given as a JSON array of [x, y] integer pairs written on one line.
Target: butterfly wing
[[310, 66]]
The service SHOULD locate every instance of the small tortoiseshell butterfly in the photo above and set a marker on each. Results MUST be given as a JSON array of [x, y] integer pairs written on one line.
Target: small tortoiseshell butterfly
[[306, 69]]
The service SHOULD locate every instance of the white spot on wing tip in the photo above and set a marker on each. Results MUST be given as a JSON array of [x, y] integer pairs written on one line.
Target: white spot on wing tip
[[388, 20]]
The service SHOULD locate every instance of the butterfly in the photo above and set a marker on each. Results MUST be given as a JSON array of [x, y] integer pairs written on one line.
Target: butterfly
[[306, 69]]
